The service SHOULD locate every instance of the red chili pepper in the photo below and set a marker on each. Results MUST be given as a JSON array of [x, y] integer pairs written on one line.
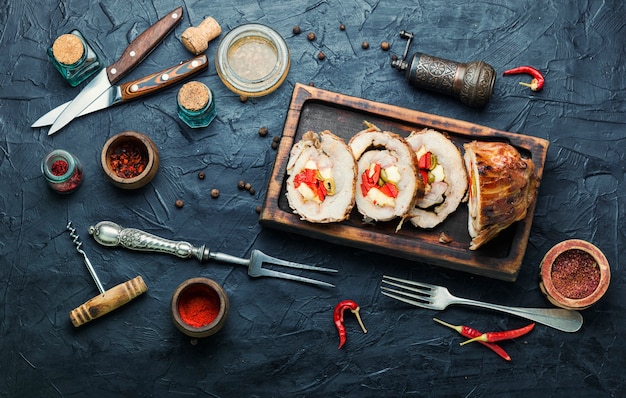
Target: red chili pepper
[[338, 318], [471, 333], [491, 337], [538, 80]]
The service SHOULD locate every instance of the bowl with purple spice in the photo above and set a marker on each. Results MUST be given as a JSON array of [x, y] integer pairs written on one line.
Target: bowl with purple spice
[[130, 159], [575, 274]]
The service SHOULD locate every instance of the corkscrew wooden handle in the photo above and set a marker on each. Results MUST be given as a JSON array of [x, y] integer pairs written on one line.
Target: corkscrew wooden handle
[[110, 300]]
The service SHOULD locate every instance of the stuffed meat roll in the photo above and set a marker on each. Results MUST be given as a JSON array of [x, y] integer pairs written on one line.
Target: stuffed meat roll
[[440, 164], [502, 185], [388, 184], [321, 178]]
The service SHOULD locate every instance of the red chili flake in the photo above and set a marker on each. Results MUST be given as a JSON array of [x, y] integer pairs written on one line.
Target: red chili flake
[[59, 167], [575, 274], [128, 160]]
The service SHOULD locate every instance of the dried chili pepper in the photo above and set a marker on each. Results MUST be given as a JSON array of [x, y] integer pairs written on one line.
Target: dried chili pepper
[[491, 337], [338, 318], [471, 333], [536, 84]]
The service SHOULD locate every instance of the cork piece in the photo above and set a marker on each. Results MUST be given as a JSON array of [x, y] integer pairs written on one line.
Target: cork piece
[[193, 96], [196, 39], [68, 49]]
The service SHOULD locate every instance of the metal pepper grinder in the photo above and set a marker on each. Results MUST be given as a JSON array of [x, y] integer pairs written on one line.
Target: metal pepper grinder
[[472, 82]]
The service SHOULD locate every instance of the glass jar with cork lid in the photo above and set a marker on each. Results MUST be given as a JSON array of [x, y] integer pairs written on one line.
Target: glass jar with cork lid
[[196, 106], [74, 58]]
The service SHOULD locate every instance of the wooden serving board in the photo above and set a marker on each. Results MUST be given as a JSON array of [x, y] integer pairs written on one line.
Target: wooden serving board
[[316, 109]]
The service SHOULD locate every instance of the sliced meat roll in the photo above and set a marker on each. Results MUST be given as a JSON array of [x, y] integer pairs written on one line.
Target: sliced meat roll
[[502, 186], [387, 176], [321, 178], [441, 165]]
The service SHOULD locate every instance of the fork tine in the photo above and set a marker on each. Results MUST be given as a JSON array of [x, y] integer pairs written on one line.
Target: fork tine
[[418, 297], [408, 282], [423, 292], [277, 261], [277, 274], [404, 299]]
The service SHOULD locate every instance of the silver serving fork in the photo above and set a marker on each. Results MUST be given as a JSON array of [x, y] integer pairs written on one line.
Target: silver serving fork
[[435, 297], [108, 233]]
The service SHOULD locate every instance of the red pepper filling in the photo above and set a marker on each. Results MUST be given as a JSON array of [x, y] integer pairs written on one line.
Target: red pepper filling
[[309, 177], [367, 183], [425, 165]]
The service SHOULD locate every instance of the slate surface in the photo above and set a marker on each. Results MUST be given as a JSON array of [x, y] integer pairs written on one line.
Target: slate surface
[[280, 339]]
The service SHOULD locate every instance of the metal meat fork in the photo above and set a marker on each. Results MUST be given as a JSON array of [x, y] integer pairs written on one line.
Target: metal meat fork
[[435, 297], [108, 233]]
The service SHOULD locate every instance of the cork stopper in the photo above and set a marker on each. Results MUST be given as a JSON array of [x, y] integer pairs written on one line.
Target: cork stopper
[[68, 49], [193, 96], [196, 39]]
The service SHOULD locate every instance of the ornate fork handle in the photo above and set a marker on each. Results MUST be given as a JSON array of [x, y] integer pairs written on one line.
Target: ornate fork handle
[[108, 233], [558, 318]]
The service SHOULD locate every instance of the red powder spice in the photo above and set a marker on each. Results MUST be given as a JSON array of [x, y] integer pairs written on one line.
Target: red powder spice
[[59, 167], [198, 306], [575, 274], [128, 160]]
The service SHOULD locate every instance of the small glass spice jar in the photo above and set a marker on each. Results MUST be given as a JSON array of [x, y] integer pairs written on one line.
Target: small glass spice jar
[[196, 106], [74, 58], [62, 170]]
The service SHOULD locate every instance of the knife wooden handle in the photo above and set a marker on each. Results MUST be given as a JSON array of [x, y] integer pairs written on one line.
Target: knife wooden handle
[[163, 79], [110, 300], [143, 45]]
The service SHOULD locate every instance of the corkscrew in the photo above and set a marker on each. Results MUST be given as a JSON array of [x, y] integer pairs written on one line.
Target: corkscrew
[[108, 300], [472, 83], [78, 243]]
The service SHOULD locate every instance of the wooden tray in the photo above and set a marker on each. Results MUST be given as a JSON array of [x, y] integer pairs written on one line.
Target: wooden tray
[[315, 109]]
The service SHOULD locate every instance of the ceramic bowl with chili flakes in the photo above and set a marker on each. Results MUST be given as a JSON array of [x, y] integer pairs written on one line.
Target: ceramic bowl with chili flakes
[[575, 274], [130, 159], [199, 307]]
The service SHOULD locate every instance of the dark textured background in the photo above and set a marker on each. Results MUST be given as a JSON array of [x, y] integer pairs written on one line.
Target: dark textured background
[[280, 339]]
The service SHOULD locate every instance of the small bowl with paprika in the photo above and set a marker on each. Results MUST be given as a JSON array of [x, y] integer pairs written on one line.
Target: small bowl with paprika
[[199, 307], [574, 275], [130, 159]]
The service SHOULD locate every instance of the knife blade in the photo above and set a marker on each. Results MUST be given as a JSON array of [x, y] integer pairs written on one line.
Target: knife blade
[[136, 52], [133, 90]]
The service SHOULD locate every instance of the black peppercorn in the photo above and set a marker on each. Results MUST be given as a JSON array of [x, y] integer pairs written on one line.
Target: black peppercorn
[[258, 209], [310, 36], [296, 30], [365, 45], [201, 175], [248, 186], [385, 46], [311, 84], [263, 131], [276, 138], [342, 27], [241, 184], [215, 193], [252, 191], [321, 55], [274, 145]]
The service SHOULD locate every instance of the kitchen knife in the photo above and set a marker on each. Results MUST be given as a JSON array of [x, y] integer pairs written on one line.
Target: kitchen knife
[[136, 51], [134, 89]]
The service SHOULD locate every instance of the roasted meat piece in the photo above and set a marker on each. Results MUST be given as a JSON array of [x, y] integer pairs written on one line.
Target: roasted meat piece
[[388, 184], [502, 184], [321, 178], [441, 164]]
